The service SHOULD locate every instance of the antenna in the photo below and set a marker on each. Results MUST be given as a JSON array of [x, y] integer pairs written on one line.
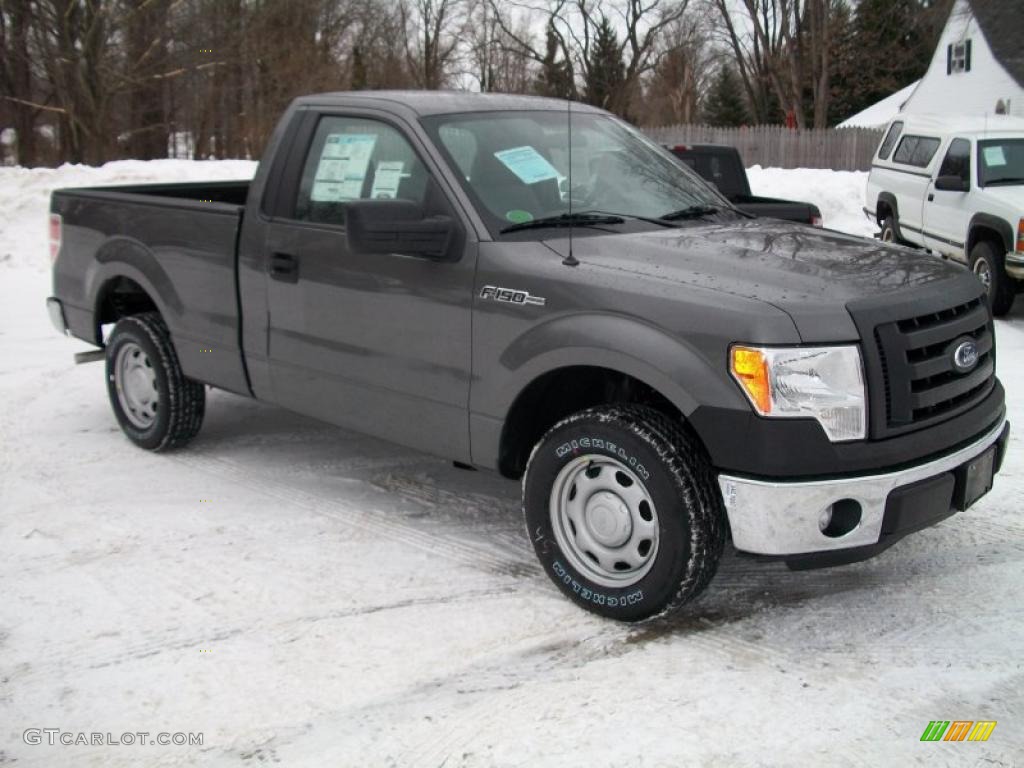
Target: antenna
[[569, 260]]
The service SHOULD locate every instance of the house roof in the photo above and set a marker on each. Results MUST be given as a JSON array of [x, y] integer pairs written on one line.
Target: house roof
[[1002, 22], [881, 112]]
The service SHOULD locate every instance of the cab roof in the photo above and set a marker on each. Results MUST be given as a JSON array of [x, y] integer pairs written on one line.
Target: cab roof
[[978, 126], [423, 103]]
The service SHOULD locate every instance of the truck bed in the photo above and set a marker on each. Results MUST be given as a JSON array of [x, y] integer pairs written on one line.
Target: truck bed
[[179, 242]]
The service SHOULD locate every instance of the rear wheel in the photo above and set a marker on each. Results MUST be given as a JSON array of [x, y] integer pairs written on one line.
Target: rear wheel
[[157, 406], [987, 263], [889, 230], [624, 513]]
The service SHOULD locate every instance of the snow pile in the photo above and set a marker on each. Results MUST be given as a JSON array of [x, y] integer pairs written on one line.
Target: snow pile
[[839, 194], [25, 196]]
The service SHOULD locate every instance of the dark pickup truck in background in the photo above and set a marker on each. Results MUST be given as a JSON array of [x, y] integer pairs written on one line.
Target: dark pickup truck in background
[[723, 166], [662, 371]]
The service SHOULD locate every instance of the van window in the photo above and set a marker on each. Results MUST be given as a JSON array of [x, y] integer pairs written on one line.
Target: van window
[[916, 150], [890, 140]]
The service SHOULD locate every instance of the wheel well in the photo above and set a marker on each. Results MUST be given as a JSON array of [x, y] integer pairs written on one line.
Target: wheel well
[[557, 394], [882, 209], [982, 233], [120, 297]]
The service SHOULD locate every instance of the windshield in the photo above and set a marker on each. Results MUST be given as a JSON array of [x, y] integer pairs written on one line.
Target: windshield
[[515, 166], [1001, 161]]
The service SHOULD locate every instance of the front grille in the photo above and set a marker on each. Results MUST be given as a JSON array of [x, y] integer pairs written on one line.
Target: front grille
[[920, 384]]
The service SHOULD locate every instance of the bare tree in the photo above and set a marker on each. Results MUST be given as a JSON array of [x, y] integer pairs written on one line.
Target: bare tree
[[16, 75], [675, 87], [432, 35], [495, 59], [146, 41]]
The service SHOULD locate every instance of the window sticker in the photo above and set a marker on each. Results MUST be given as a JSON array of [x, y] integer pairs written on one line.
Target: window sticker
[[528, 164], [342, 167], [386, 179], [518, 216], [994, 156]]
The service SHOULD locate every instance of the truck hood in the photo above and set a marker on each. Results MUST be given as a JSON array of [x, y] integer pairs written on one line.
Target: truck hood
[[1008, 199], [811, 274]]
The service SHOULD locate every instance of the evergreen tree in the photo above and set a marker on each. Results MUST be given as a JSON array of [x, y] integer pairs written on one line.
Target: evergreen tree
[[555, 77], [893, 42], [605, 72], [725, 105], [845, 59]]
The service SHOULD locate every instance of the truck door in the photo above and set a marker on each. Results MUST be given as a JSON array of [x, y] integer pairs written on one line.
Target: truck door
[[946, 212], [379, 343]]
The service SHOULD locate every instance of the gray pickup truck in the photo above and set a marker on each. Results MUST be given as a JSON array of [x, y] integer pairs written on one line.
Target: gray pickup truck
[[664, 372]]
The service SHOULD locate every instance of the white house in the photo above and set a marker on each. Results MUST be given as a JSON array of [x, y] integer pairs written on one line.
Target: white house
[[977, 67]]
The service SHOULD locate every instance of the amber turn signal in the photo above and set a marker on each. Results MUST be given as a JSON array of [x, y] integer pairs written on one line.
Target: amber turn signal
[[750, 368]]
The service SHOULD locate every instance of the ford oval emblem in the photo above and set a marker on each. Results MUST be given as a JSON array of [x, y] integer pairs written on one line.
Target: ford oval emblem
[[965, 356]]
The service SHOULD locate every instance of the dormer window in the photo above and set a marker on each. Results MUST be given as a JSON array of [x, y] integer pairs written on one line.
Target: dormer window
[[958, 57]]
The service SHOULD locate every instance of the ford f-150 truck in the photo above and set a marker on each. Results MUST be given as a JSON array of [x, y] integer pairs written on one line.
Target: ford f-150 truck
[[445, 271]]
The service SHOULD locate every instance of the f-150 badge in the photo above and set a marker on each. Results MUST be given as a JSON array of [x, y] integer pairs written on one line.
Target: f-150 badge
[[511, 296]]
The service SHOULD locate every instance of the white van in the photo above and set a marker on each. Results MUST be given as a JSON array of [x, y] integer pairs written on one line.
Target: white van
[[955, 185]]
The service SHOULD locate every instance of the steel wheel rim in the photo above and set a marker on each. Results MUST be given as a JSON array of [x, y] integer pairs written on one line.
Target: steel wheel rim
[[135, 381], [981, 269], [604, 520]]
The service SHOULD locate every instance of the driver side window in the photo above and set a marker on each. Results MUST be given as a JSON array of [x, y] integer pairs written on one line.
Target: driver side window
[[356, 159], [958, 160]]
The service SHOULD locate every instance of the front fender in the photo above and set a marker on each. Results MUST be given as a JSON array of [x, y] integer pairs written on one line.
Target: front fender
[[982, 221], [683, 374]]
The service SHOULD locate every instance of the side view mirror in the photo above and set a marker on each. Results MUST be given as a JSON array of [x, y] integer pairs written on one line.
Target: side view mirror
[[397, 226], [951, 184]]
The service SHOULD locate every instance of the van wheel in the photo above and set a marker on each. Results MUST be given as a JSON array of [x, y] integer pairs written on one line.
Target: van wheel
[[157, 406], [624, 512], [987, 264]]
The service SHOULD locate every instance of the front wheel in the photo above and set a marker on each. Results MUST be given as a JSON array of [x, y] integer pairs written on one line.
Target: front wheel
[[987, 265], [157, 406], [623, 511]]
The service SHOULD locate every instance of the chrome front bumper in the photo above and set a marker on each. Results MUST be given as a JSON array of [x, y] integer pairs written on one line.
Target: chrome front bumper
[[1015, 265], [780, 518]]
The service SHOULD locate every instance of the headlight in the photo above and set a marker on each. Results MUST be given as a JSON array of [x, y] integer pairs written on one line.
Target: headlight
[[823, 383]]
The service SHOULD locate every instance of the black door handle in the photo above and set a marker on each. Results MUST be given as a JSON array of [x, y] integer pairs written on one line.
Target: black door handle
[[284, 267], [931, 196]]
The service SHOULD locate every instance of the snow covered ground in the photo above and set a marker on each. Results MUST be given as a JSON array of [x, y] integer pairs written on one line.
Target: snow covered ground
[[308, 597]]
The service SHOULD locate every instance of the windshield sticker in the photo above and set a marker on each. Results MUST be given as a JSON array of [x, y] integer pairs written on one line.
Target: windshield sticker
[[517, 216], [528, 164], [386, 179], [994, 156], [342, 168]]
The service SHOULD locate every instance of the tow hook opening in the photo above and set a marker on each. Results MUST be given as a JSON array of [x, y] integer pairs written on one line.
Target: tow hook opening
[[839, 518]]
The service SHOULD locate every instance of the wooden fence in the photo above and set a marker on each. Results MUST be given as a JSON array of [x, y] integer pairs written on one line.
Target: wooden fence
[[774, 146]]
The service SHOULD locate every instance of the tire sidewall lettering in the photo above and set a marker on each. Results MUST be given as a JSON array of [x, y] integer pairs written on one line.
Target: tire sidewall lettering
[[578, 445]]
